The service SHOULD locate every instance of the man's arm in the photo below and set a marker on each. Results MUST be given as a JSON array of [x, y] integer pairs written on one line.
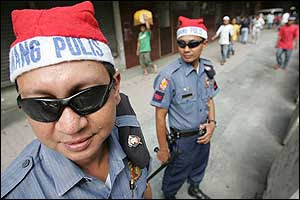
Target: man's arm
[[217, 33], [278, 38], [296, 43], [138, 47], [147, 22], [161, 131], [296, 37], [211, 125], [211, 109]]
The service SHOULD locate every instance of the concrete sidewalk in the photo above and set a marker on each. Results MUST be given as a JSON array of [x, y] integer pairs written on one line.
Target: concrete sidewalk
[[252, 110]]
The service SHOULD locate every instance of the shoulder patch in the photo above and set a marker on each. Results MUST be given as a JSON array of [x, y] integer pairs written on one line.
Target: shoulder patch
[[158, 96], [215, 85], [163, 84]]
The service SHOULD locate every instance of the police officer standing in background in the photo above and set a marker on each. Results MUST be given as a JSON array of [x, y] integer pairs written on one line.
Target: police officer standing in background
[[184, 90]]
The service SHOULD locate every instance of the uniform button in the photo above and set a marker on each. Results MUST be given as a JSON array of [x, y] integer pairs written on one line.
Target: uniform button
[[25, 163], [88, 179]]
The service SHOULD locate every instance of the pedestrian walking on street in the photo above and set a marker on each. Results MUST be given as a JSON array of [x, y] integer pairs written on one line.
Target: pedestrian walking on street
[[184, 90], [270, 20], [257, 26], [69, 89], [235, 35], [287, 36], [144, 47], [277, 21], [225, 31], [245, 28]]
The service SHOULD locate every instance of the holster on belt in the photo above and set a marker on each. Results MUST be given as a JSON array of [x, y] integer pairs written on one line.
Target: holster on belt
[[175, 134]]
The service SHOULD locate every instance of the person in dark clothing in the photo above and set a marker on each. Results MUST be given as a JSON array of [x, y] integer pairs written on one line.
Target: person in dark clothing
[[245, 24]]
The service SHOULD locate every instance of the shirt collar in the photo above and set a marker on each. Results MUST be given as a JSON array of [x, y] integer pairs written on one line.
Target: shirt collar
[[66, 174], [188, 68]]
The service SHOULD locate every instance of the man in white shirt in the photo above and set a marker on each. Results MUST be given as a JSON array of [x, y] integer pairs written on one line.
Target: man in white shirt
[[285, 18], [225, 32], [257, 25], [270, 19]]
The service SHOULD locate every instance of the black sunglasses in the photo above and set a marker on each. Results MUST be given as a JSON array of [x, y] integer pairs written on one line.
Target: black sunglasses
[[84, 102], [191, 44]]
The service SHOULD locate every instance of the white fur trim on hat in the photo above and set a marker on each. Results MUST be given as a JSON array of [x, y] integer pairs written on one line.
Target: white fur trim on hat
[[43, 51], [192, 30]]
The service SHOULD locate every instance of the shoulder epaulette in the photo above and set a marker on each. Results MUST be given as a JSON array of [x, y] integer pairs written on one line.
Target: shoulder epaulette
[[19, 168], [130, 134], [171, 68]]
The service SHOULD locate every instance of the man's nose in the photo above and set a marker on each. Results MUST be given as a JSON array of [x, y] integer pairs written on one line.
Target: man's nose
[[70, 122], [186, 48]]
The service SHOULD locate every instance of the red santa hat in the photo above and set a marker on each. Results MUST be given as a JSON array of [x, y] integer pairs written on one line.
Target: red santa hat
[[50, 36], [191, 27]]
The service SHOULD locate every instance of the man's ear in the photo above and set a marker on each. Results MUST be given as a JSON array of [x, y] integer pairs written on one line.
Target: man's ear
[[116, 87], [205, 43]]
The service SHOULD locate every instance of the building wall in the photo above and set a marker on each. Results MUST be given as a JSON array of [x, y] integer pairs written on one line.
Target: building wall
[[7, 36], [283, 178]]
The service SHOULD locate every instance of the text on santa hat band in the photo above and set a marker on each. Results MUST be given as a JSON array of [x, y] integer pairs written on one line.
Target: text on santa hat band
[[192, 31], [42, 50]]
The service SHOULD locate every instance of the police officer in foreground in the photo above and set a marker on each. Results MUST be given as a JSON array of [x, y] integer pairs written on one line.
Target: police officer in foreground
[[184, 90], [69, 89]]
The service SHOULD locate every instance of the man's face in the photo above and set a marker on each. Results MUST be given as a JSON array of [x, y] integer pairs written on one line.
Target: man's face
[[226, 22], [189, 55], [78, 138], [290, 22], [142, 28]]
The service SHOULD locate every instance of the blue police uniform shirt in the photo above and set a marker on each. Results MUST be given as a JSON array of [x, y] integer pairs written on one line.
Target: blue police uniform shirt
[[40, 172], [184, 93]]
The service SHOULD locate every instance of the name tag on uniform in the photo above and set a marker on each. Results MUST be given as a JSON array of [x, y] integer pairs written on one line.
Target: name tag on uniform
[[187, 95]]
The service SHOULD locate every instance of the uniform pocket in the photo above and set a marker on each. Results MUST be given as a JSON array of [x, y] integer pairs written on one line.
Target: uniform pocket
[[186, 102]]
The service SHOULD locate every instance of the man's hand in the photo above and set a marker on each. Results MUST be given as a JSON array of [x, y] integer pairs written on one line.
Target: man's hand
[[163, 155], [137, 52], [148, 192], [210, 127], [145, 17]]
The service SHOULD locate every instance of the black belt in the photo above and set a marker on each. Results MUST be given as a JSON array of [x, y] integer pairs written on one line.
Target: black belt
[[186, 133]]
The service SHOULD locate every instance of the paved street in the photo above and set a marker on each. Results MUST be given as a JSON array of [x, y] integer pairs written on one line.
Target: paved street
[[253, 110]]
